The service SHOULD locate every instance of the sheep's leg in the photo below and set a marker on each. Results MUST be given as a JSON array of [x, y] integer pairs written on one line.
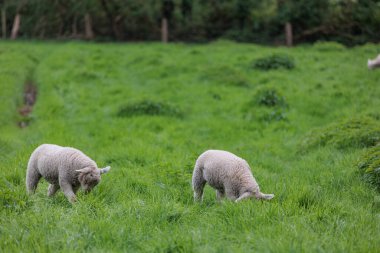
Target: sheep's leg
[[231, 194], [244, 196], [32, 179], [198, 191], [198, 183], [53, 188], [68, 191], [219, 195]]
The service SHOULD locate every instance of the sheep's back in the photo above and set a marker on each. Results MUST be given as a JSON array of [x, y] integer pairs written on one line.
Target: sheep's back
[[52, 158], [221, 168]]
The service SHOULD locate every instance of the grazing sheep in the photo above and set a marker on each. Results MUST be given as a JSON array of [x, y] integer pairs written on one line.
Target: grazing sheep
[[63, 167], [375, 63], [228, 174]]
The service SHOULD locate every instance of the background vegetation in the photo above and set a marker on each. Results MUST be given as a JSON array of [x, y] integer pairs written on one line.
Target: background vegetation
[[348, 21], [148, 110]]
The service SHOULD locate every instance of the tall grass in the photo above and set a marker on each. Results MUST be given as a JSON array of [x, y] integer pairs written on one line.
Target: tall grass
[[145, 203]]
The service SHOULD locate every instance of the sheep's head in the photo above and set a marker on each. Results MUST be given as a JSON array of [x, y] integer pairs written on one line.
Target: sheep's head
[[89, 177]]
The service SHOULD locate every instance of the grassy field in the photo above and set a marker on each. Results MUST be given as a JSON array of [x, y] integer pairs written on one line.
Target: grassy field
[[149, 110]]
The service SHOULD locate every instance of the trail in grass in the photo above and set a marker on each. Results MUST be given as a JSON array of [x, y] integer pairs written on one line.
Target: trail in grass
[[30, 97]]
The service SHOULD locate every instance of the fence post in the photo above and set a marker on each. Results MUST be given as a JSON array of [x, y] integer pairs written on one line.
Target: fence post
[[89, 33], [16, 26], [164, 30], [289, 34]]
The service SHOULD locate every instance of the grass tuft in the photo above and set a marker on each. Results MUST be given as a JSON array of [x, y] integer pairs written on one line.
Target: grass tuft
[[358, 132], [267, 105], [275, 61], [150, 108], [269, 97], [369, 166]]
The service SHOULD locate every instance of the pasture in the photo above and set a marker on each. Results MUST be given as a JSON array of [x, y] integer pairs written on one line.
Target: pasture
[[149, 110]]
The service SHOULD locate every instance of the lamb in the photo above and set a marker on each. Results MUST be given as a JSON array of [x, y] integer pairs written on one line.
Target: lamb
[[228, 174], [63, 167], [375, 63]]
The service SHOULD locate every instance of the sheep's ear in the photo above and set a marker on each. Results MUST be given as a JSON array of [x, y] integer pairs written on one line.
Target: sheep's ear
[[105, 170], [84, 170]]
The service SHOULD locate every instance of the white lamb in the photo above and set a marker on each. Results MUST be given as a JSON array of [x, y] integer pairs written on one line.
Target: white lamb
[[63, 167], [375, 63], [228, 174]]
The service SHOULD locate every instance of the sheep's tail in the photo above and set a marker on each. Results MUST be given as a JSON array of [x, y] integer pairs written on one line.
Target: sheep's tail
[[32, 176], [264, 196], [198, 182]]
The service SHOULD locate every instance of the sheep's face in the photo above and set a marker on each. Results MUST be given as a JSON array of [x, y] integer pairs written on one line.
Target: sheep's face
[[91, 180], [89, 177]]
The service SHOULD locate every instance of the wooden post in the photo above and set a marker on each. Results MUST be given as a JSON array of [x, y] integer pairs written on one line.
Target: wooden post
[[164, 30], [16, 26], [89, 33], [289, 34], [4, 23]]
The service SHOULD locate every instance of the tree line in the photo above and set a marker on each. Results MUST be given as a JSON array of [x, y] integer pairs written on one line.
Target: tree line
[[271, 21]]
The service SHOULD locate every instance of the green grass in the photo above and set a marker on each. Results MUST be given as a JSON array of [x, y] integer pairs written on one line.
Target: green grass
[[149, 110]]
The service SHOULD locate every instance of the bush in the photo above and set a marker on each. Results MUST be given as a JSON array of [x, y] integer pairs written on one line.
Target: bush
[[267, 105], [275, 61], [147, 107], [359, 132], [369, 166], [269, 97]]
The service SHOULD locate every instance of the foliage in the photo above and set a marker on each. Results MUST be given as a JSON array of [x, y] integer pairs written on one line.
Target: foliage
[[269, 97], [268, 114], [303, 13], [347, 21], [358, 132], [275, 61], [267, 105], [145, 203], [369, 166], [147, 107]]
